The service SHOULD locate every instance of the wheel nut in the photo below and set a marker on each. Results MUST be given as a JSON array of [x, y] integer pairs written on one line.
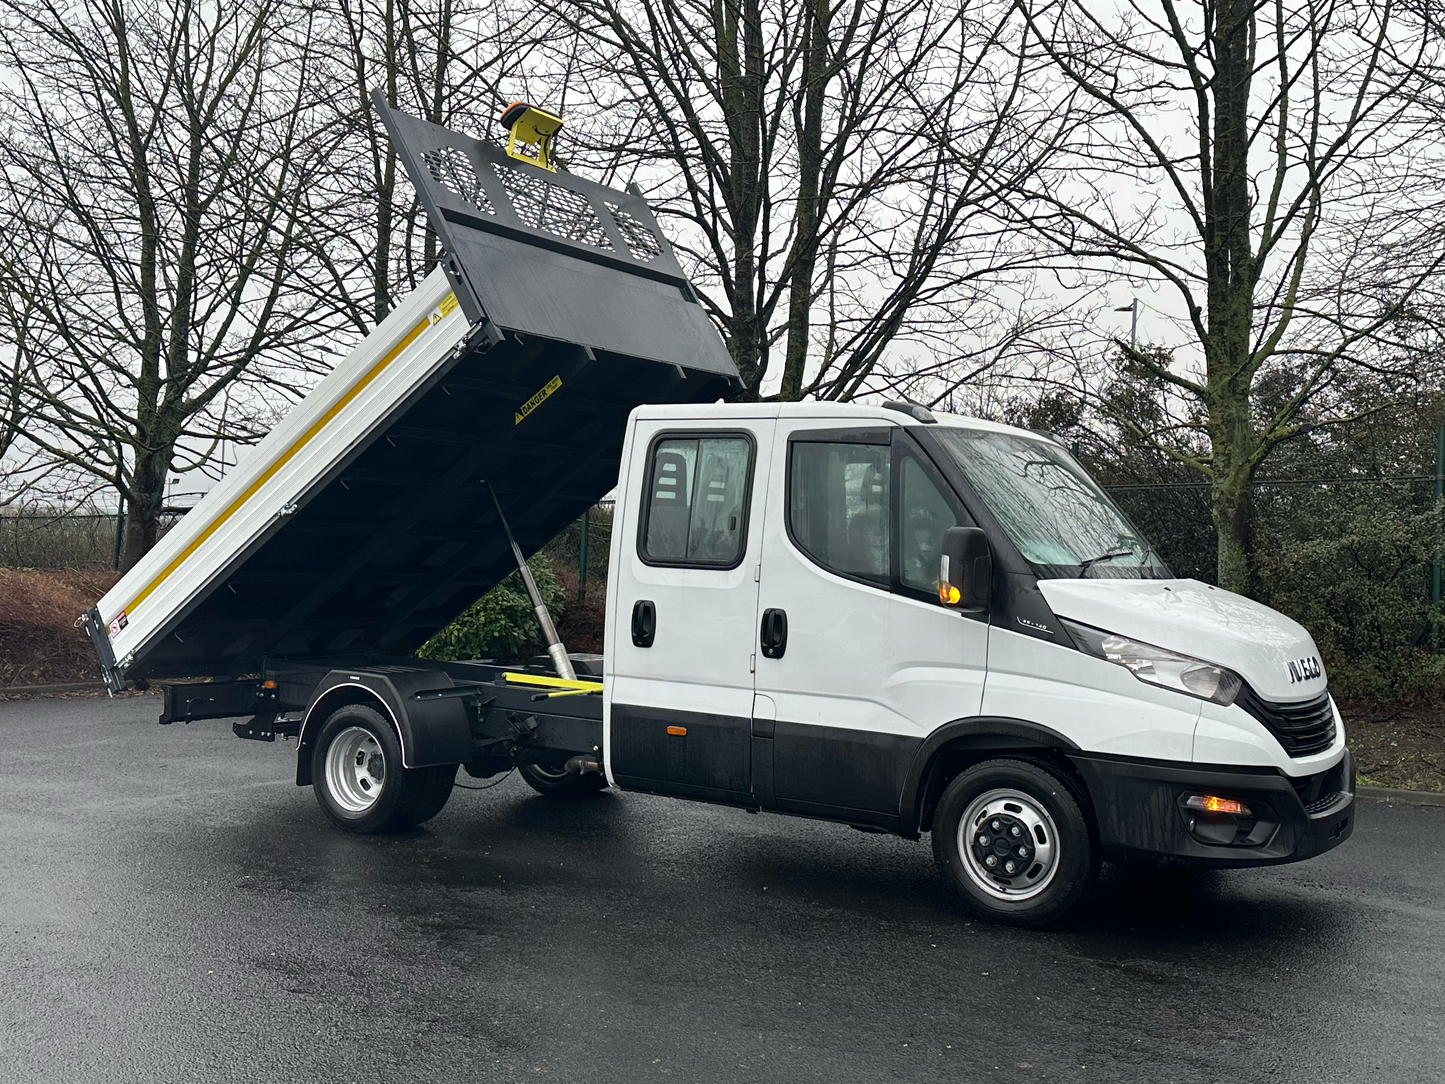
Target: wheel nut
[[1022, 852], [1014, 831], [991, 861], [995, 826], [983, 841], [1009, 867]]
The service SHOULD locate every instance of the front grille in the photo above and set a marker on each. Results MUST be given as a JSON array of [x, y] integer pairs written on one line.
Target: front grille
[[1303, 728]]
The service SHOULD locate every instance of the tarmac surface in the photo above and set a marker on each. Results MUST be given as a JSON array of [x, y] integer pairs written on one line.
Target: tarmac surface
[[173, 908]]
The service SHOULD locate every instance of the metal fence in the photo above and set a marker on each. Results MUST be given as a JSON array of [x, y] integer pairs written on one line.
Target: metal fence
[[79, 540]]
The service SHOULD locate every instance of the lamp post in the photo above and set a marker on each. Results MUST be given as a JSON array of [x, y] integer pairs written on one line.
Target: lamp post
[[1133, 309]]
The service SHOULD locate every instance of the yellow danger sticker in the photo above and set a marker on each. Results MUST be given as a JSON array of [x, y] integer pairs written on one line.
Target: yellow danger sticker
[[448, 304], [538, 399]]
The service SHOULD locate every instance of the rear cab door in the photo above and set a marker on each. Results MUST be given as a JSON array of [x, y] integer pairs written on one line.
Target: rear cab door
[[682, 604]]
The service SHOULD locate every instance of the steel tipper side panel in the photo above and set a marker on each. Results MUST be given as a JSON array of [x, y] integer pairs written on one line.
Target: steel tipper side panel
[[255, 498]]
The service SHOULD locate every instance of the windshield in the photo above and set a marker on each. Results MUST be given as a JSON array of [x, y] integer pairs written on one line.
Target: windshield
[[1058, 517]]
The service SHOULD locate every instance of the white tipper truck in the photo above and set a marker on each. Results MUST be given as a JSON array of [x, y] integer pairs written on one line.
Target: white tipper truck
[[874, 615]]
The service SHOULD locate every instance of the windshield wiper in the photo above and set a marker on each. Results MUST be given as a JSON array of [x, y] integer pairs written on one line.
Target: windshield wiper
[[1090, 562]]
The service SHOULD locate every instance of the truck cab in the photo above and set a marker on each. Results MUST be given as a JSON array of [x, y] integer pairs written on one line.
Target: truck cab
[[778, 640]]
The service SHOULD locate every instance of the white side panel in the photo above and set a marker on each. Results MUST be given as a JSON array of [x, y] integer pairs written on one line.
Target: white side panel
[[390, 363], [860, 658], [1100, 707], [1233, 736], [701, 659]]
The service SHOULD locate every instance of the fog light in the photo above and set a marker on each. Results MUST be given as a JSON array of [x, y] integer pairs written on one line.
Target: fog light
[[1209, 803]]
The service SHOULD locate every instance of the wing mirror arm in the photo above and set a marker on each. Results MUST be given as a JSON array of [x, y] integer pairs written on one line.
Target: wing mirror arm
[[965, 570]]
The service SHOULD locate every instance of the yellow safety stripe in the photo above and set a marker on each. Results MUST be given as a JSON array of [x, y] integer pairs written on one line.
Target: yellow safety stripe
[[280, 461], [552, 682]]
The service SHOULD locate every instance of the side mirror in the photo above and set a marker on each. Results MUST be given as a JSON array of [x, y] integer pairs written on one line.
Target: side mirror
[[965, 570]]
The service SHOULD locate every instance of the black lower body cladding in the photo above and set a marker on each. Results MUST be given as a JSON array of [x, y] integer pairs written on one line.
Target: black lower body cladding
[[1142, 816]]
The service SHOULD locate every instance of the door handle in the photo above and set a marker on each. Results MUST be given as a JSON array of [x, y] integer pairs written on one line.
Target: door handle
[[774, 634], [644, 623]]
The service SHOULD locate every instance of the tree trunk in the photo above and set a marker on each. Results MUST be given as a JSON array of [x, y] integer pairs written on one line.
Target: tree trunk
[[739, 62], [144, 499], [1232, 271], [810, 169], [1232, 506]]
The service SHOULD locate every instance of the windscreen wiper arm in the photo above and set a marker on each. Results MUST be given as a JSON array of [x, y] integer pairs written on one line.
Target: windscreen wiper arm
[[1089, 563]]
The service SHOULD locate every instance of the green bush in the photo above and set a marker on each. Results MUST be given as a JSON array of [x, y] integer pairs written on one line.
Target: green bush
[[1360, 585], [501, 623]]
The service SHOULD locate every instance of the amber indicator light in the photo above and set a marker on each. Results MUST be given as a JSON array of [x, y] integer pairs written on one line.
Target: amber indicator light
[[679, 731], [1209, 803]]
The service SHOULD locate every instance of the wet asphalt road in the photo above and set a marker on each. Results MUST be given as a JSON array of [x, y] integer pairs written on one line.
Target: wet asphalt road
[[172, 908]]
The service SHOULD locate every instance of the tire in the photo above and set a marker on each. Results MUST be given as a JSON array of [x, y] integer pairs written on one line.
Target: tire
[[359, 780], [989, 811], [555, 783]]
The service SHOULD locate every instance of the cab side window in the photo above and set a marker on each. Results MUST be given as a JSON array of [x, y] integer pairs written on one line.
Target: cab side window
[[838, 507], [696, 501], [923, 515]]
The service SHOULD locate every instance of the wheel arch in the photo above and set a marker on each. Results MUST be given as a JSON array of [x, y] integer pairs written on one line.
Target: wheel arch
[[963, 742], [430, 731], [321, 709]]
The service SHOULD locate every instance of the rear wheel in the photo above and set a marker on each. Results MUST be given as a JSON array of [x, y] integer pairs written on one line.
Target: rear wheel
[[1012, 843], [560, 783], [359, 779]]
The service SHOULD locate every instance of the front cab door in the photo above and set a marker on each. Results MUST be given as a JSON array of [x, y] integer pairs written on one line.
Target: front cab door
[[873, 663]]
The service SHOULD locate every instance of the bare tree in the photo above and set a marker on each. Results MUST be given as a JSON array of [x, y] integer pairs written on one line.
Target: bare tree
[[442, 60], [830, 165], [152, 161], [1262, 161]]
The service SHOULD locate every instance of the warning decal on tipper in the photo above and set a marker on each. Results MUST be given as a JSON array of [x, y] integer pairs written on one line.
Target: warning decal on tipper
[[538, 399]]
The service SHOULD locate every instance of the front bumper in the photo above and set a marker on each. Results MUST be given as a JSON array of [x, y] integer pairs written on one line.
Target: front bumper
[[1139, 808]]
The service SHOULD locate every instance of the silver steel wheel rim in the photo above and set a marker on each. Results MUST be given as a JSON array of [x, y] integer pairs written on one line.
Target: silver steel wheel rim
[[1009, 808], [355, 769]]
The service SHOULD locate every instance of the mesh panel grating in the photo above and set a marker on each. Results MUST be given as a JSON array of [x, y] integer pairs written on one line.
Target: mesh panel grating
[[452, 169], [641, 241], [551, 207]]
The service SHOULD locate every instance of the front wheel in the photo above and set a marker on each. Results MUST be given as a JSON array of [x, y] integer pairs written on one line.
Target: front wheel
[[1012, 843], [359, 779]]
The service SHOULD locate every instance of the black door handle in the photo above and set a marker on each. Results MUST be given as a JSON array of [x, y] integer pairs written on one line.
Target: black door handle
[[774, 638], [644, 623]]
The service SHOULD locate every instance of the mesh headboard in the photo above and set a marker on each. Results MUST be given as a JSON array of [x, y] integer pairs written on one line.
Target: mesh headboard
[[552, 254]]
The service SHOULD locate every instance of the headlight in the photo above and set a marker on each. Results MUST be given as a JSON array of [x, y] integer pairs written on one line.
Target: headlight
[[1167, 669]]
